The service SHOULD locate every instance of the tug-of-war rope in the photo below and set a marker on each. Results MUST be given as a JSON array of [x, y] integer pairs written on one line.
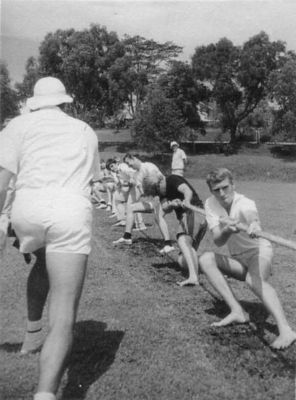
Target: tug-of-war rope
[[215, 296]]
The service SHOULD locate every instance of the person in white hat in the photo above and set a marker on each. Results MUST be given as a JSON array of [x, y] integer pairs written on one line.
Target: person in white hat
[[53, 157], [179, 159]]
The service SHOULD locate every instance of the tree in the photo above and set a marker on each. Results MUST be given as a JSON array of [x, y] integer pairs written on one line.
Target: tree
[[179, 85], [143, 60], [157, 121], [283, 91], [25, 89], [238, 75], [9, 104], [81, 59]]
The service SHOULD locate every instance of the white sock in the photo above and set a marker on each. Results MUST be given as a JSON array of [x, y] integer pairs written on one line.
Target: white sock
[[33, 337], [44, 396], [33, 326]]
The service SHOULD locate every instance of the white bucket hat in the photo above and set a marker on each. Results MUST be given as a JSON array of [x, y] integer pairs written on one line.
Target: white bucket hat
[[48, 91], [174, 144]]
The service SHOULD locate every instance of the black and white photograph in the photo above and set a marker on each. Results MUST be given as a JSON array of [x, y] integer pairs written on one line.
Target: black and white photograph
[[148, 200]]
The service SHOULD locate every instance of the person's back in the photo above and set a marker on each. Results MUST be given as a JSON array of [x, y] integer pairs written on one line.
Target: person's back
[[54, 158], [58, 152]]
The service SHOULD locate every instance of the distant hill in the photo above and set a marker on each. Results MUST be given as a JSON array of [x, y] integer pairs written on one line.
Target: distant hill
[[15, 51]]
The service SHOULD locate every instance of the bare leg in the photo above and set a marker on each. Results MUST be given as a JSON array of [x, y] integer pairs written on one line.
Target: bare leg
[[66, 273], [185, 244], [162, 223], [37, 291], [139, 207], [258, 273], [133, 198], [209, 267]]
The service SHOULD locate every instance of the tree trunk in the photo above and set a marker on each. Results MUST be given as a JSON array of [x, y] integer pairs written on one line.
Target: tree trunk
[[233, 129]]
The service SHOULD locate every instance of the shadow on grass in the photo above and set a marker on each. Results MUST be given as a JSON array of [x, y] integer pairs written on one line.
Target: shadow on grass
[[257, 313], [286, 153], [168, 264], [93, 353], [252, 336], [11, 347]]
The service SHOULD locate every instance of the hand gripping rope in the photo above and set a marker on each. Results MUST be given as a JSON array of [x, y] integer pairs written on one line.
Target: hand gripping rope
[[261, 234]]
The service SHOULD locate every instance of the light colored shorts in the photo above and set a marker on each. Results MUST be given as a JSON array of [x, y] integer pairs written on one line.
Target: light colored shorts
[[178, 171], [59, 222], [249, 257]]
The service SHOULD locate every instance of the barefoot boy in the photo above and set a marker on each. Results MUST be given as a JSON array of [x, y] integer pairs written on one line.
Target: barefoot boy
[[250, 258]]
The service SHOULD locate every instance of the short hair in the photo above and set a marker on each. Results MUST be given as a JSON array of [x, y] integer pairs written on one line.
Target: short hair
[[128, 156], [109, 162], [218, 175], [150, 184]]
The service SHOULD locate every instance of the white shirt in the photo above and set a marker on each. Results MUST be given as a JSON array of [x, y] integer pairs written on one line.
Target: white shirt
[[47, 149], [238, 242], [178, 160]]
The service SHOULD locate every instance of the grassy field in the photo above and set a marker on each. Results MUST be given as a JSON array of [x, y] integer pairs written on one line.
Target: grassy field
[[141, 337]]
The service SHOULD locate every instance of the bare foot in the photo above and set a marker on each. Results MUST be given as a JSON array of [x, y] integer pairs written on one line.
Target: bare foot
[[284, 340], [188, 282], [232, 318]]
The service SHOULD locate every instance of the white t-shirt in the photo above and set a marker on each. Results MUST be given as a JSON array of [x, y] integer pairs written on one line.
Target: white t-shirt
[[238, 242], [47, 149], [178, 160]]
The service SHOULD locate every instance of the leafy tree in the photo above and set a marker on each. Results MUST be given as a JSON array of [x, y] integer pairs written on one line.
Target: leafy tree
[[81, 59], [143, 60], [25, 89], [9, 104], [283, 91], [260, 120], [157, 121], [238, 75], [180, 86]]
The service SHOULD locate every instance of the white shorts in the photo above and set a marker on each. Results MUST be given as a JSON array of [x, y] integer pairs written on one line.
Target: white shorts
[[59, 222], [250, 257]]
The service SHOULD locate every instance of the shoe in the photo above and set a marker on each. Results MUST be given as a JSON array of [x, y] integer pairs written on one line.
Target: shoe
[[166, 249], [123, 241], [101, 206], [140, 228], [113, 215], [119, 223]]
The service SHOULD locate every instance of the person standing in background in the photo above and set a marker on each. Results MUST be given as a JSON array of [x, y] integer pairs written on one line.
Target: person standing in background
[[179, 159]]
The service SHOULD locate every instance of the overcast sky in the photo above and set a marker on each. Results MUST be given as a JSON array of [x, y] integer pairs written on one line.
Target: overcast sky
[[186, 23]]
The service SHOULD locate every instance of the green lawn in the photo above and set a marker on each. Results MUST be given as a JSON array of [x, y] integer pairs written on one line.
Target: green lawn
[[141, 337]]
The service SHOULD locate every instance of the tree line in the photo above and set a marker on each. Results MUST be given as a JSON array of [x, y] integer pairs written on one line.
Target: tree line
[[252, 86]]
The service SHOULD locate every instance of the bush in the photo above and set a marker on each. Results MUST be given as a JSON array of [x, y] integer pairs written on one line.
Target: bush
[[157, 122]]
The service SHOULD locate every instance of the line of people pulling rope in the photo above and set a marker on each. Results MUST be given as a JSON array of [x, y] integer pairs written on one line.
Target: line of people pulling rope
[[250, 257], [49, 177]]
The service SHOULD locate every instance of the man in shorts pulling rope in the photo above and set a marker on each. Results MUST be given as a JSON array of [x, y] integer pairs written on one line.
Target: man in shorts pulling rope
[[176, 193], [142, 205], [250, 258]]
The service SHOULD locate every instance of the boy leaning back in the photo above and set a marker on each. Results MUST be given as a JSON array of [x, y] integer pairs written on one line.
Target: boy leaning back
[[250, 257]]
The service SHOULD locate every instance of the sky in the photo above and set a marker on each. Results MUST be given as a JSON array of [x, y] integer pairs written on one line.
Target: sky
[[24, 23]]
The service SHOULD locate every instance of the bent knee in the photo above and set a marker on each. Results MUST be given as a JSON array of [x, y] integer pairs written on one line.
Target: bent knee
[[207, 260], [255, 281]]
